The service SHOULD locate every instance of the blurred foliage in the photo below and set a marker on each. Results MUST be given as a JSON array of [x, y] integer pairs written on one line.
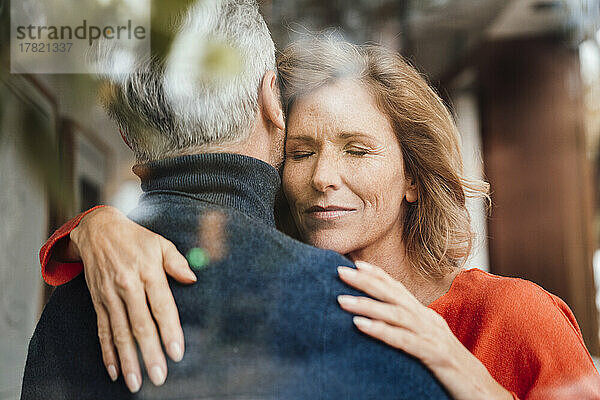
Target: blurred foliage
[[164, 17], [220, 60], [39, 144]]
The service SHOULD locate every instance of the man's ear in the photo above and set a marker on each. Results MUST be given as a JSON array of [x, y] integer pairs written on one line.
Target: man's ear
[[271, 105], [411, 190]]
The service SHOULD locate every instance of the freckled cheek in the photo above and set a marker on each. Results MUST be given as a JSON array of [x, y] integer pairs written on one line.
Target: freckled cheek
[[368, 184], [374, 202], [377, 194]]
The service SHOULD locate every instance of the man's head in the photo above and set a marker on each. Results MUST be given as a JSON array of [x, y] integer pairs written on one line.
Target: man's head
[[216, 92]]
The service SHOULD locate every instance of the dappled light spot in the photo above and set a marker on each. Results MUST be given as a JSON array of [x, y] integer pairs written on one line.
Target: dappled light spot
[[197, 258], [211, 235]]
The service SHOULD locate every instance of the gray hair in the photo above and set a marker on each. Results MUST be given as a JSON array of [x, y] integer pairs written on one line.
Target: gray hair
[[206, 93]]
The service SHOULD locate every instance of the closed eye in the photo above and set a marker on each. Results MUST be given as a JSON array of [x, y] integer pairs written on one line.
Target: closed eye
[[299, 155], [357, 153]]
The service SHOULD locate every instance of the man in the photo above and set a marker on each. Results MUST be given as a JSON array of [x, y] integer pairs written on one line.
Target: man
[[262, 319]]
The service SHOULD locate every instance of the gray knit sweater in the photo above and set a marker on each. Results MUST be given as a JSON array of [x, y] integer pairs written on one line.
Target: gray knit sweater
[[262, 322]]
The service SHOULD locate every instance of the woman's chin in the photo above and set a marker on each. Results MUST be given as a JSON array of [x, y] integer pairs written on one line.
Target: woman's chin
[[328, 241]]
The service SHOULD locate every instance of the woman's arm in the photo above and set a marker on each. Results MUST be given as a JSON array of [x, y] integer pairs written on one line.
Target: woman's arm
[[58, 258], [125, 267], [401, 321]]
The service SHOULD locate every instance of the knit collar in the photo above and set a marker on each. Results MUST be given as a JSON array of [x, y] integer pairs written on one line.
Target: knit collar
[[244, 183]]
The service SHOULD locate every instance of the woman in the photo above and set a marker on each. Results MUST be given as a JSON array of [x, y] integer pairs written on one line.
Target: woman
[[373, 171]]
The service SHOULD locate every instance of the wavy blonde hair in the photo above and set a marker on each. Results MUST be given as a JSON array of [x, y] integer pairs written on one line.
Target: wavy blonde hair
[[437, 227]]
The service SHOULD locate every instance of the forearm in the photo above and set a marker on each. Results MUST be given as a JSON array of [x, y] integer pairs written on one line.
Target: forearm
[[465, 376], [66, 250]]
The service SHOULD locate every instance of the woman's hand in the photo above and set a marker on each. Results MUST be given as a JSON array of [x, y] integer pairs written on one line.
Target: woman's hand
[[400, 320], [125, 267]]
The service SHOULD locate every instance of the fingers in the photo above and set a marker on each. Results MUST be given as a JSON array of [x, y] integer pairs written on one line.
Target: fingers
[[109, 354], [369, 284], [144, 329], [120, 279], [373, 309], [166, 315], [123, 340], [430, 351], [398, 338], [375, 271], [378, 284], [175, 264], [394, 316]]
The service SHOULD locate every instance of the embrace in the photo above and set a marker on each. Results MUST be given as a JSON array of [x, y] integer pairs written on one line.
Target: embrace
[[375, 303]]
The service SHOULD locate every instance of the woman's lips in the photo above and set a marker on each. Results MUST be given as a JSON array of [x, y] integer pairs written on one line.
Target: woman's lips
[[328, 213]]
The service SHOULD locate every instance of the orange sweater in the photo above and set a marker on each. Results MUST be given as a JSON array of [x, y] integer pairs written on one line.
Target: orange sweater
[[526, 337]]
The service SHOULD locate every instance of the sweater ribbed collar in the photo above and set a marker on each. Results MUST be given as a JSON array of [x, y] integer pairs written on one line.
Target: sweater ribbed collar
[[244, 183]]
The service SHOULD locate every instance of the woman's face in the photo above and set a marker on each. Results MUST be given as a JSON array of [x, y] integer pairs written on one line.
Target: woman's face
[[344, 173]]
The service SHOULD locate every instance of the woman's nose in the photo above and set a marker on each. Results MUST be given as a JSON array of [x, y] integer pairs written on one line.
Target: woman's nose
[[325, 174]]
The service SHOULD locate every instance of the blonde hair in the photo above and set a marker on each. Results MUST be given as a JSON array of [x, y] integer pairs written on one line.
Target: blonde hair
[[437, 230]]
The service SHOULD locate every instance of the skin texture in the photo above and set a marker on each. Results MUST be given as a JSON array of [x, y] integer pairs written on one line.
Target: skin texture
[[341, 151], [119, 290]]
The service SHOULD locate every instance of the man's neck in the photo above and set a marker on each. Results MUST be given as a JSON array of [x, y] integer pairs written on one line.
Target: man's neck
[[232, 180]]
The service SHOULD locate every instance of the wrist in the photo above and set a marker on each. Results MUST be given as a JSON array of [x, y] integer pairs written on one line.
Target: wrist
[[72, 249], [493, 389], [82, 230], [499, 392], [478, 383]]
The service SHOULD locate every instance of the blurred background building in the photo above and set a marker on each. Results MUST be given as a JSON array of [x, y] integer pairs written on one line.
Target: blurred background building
[[522, 78]]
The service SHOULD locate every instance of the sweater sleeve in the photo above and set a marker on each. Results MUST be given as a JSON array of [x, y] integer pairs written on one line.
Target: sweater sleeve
[[542, 340], [527, 338], [56, 272], [566, 367]]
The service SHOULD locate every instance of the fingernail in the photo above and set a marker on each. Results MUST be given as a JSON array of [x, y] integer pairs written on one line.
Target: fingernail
[[348, 300], [349, 272], [192, 276], [362, 322], [175, 351], [112, 372], [133, 383], [157, 375], [363, 265]]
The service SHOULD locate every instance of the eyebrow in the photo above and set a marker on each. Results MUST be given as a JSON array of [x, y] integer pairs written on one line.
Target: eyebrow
[[304, 138], [353, 134], [342, 135]]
